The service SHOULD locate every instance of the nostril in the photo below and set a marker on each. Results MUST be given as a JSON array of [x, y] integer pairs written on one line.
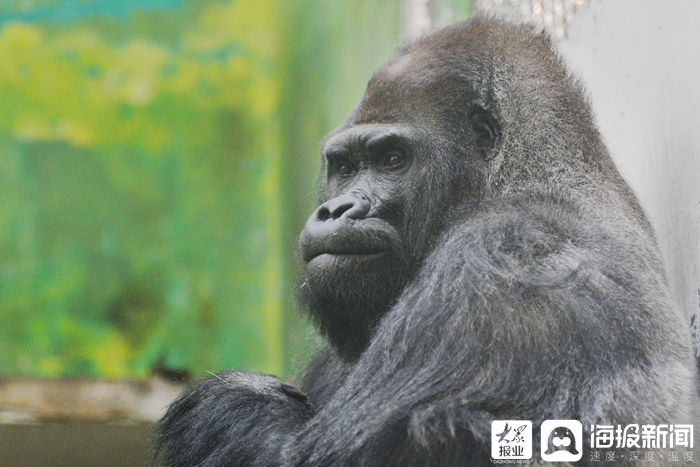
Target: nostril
[[323, 213], [341, 209], [347, 205], [359, 208]]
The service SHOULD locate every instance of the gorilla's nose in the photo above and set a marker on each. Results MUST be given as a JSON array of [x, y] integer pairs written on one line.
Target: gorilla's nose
[[350, 205], [332, 229]]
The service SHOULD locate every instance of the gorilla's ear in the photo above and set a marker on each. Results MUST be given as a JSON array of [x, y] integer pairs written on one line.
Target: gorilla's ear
[[486, 129]]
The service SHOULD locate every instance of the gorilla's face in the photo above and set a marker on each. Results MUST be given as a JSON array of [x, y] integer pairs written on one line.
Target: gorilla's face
[[393, 173], [355, 243]]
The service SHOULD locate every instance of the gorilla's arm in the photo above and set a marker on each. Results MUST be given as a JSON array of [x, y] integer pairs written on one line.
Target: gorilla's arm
[[510, 313]]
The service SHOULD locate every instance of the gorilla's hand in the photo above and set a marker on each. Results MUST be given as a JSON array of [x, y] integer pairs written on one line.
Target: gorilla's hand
[[227, 419]]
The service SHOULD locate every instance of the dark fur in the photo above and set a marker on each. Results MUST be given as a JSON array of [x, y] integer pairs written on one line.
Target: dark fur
[[518, 277]]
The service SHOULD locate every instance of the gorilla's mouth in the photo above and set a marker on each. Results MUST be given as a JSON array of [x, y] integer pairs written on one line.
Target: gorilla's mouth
[[347, 240]]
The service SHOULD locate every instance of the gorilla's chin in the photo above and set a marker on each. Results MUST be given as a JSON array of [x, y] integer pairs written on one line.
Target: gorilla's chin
[[347, 294]]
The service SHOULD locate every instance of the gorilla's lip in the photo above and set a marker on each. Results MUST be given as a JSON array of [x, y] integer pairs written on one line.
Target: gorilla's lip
[[348, 239], [333, 261], [347, 254]]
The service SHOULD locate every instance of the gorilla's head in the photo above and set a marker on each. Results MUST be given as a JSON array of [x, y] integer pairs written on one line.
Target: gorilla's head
[[446, 124]]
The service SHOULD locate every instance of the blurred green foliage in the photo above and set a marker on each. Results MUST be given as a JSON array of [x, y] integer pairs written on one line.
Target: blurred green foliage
[[157, 161], [139, 215]]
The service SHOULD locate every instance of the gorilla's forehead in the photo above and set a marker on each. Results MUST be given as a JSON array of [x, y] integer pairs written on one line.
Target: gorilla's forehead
[[402, 65], [419, 87], [416, 73]]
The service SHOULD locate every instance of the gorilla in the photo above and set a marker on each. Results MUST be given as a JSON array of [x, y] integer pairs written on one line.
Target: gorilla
[[475, 256]]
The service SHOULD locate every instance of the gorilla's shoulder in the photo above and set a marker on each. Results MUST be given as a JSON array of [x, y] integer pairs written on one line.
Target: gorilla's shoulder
[[547, 237]]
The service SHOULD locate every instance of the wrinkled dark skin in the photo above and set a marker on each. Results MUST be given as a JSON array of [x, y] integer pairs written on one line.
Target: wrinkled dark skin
[[475, 256]]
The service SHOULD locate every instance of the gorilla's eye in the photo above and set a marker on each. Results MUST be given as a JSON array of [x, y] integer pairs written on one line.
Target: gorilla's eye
[[394, 160], [344, 169]]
